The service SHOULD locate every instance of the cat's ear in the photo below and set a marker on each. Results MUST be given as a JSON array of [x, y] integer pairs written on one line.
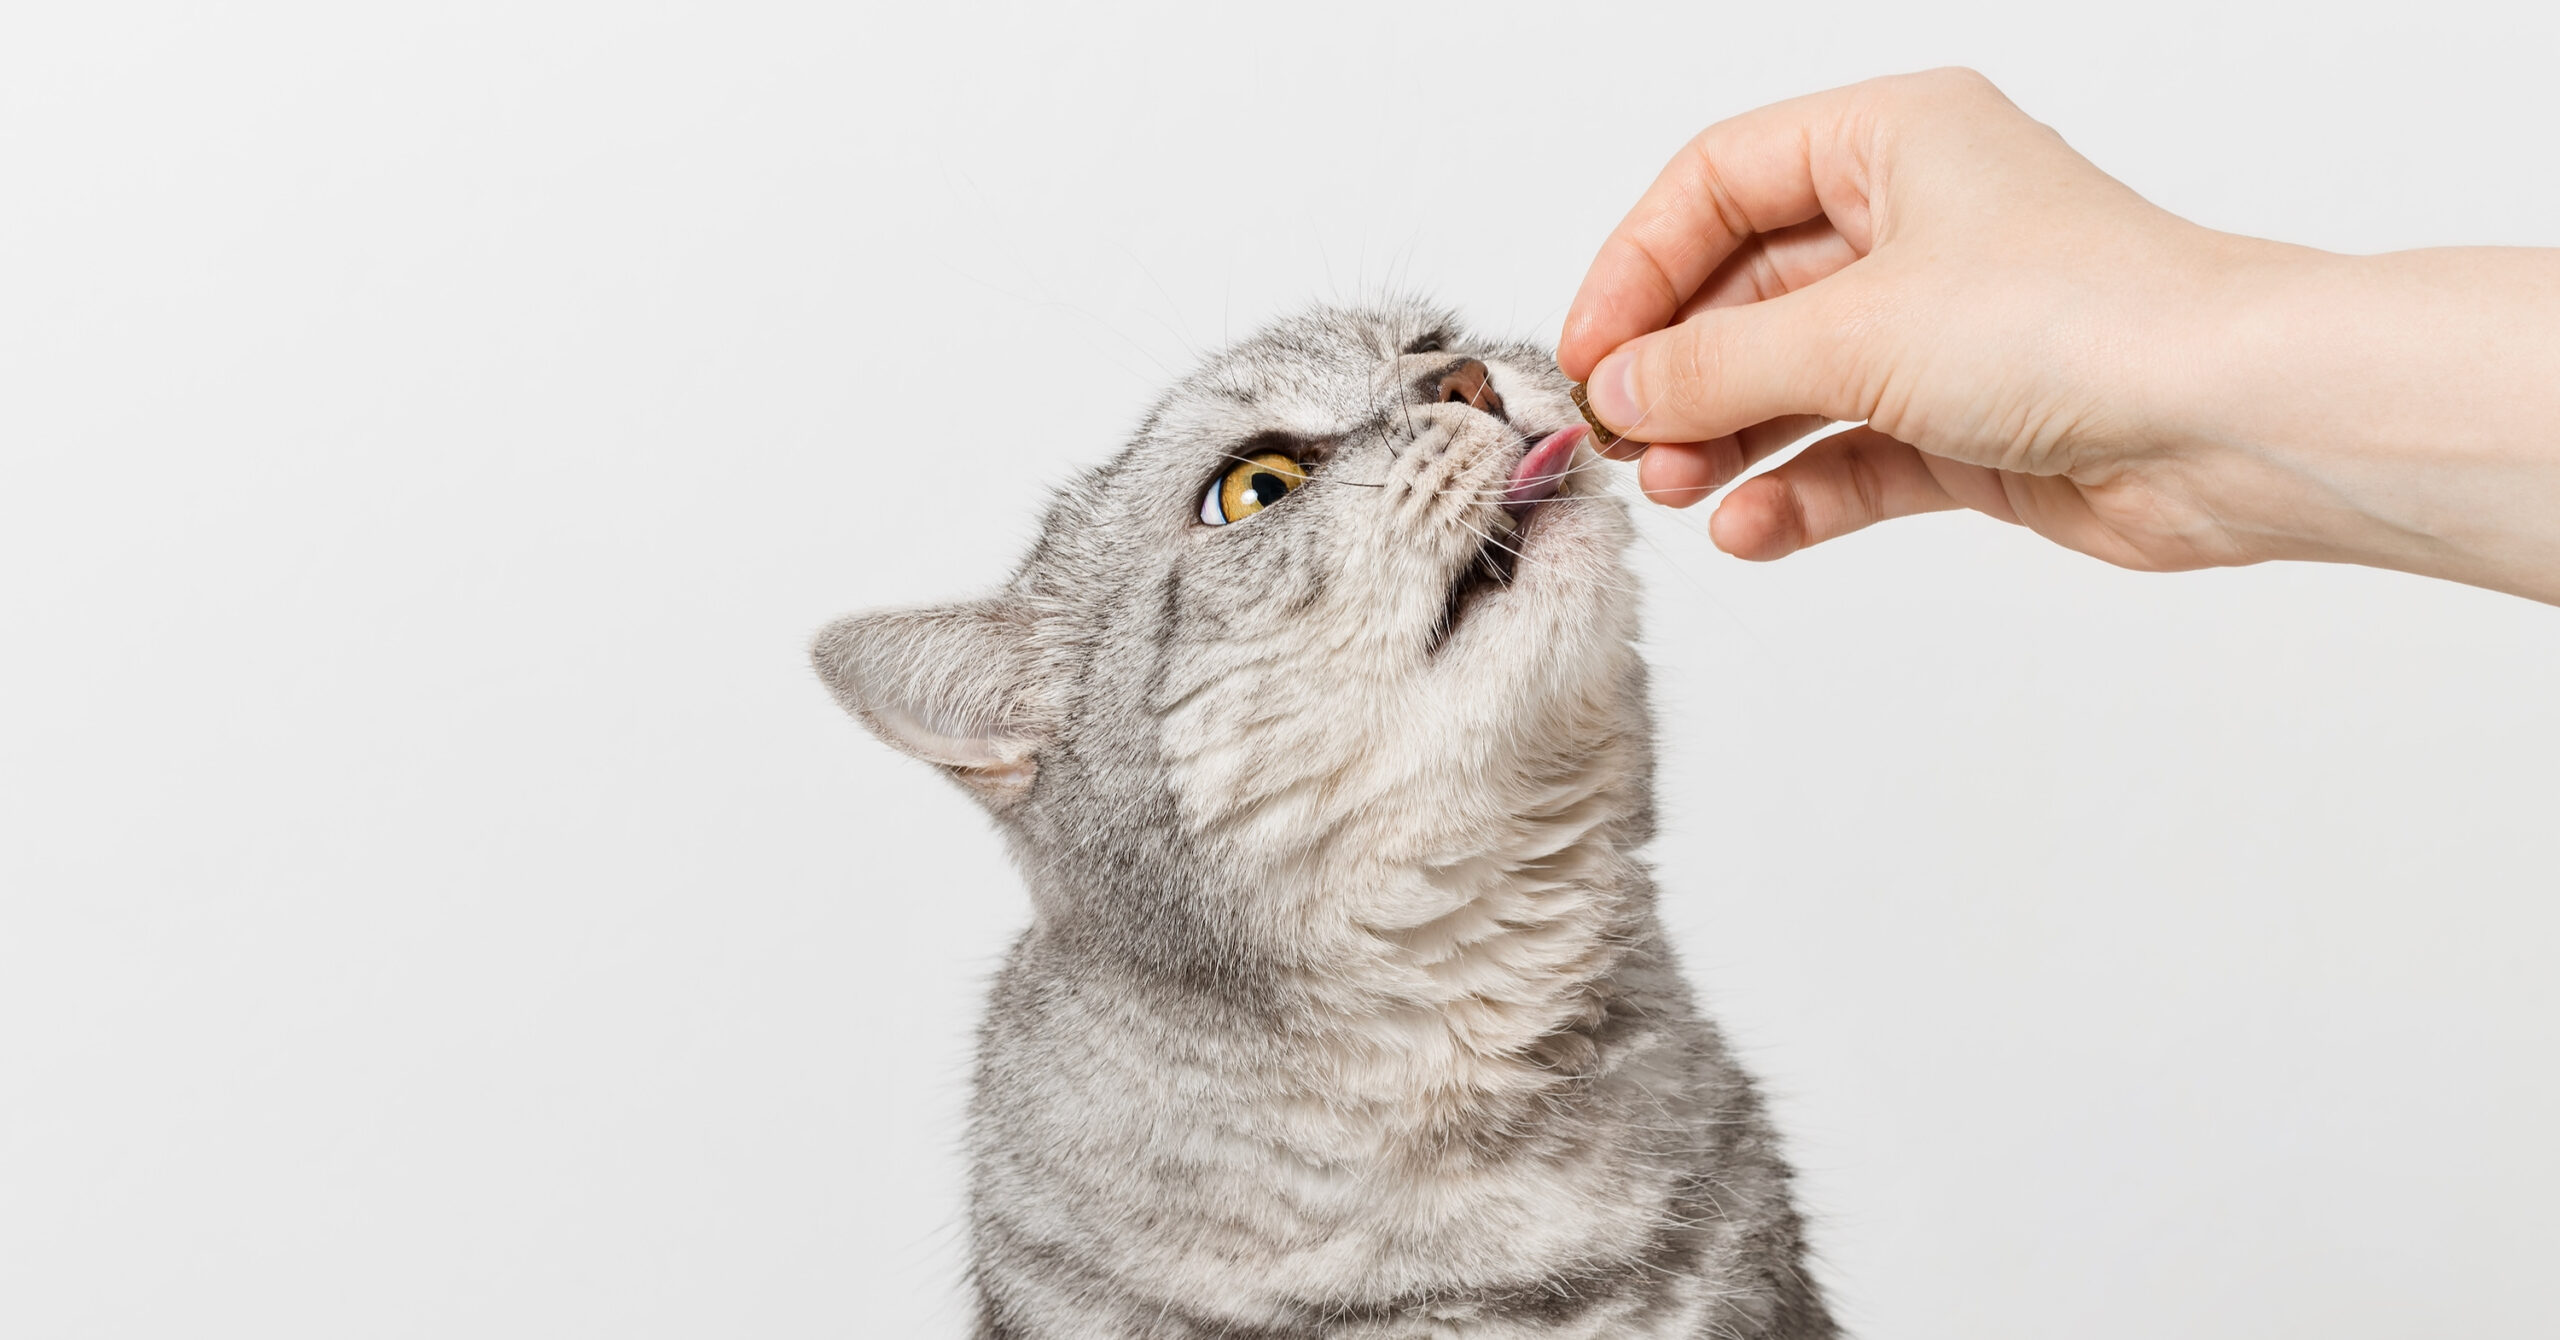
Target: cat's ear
[[950, 684]]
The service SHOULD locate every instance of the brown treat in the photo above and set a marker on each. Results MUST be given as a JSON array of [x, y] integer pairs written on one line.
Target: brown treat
[[1599, 431]]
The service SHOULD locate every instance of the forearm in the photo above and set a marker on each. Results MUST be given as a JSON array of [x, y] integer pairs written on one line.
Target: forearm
[[2401, 411]]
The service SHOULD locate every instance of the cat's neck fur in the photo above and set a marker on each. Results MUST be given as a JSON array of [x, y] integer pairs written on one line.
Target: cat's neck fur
[[1451, 923]]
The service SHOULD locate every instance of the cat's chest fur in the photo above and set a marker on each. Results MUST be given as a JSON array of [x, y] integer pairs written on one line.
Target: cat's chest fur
[[1467, 1120]]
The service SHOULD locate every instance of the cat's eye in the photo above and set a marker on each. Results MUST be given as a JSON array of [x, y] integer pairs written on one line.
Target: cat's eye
[[1250, 485]]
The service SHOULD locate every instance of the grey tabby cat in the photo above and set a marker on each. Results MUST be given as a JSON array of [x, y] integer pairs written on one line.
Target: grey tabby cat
[[1316, 725]]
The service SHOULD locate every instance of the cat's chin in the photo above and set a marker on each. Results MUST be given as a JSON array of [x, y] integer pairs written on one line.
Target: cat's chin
[[1542, 522], [1556, 569]]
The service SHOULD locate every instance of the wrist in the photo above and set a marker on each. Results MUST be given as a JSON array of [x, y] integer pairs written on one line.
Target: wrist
[[2261, 425], [2384, 410]]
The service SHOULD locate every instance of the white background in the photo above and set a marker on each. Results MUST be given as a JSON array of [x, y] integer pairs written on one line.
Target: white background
[[436, 899]]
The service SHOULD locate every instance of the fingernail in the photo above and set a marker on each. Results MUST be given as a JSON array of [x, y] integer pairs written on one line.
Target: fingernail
[[1613, 390]]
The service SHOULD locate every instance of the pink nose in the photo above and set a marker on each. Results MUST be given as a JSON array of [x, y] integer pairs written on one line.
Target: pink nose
[[1469, 383]]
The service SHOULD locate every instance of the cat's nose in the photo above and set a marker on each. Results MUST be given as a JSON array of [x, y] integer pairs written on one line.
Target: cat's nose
[[1467, 383]]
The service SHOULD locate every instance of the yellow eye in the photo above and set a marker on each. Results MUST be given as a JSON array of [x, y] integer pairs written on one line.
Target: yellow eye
[[1252, 484]]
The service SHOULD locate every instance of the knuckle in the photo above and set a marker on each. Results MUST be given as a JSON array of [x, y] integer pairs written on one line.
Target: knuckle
[[1792, 522], [1636, 259], [1863, 323], [1858, 467], [1762, 275], [1716, 193], [1957, 79], [1698, 368], [1906, 94], [1726, 458]]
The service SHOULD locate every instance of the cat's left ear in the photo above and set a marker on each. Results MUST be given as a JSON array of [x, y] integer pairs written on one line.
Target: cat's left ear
[[950, 684]]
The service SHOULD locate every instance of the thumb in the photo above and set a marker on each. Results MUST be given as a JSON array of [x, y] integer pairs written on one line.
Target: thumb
[[1727, 368]]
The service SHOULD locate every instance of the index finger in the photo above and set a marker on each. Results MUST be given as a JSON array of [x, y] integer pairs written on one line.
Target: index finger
[[1784, 164]]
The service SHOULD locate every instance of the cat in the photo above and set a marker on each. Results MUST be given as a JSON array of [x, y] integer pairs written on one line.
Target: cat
[[1315, 723]]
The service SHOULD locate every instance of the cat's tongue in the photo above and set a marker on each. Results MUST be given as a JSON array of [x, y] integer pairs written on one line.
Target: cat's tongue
[[1541, 472]]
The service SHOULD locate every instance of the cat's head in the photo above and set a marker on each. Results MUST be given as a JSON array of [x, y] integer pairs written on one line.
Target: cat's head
[[1355, 578]]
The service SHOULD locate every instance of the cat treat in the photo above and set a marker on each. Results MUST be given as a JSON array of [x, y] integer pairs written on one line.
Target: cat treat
[[1600, 433]]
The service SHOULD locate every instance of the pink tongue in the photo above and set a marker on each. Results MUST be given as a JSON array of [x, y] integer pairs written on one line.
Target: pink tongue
[[1541, 472]]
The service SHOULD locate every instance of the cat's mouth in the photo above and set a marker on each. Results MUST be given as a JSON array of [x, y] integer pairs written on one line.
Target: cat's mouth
[[1537, 478]]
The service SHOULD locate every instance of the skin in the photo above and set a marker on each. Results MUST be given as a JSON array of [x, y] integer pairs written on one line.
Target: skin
[[2017, 333]]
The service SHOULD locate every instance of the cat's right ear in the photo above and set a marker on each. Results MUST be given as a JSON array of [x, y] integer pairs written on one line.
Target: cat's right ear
[[950, 684]]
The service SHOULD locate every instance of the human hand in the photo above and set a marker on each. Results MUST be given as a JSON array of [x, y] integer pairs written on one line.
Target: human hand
[[2016, 330]]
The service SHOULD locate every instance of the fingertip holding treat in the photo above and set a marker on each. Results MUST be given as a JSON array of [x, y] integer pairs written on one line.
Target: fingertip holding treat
[[1606, 440], [1612, 389]]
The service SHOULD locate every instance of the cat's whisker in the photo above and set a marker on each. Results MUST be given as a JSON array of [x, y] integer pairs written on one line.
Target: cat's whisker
[[1502, 492], [1621, 584], [1618, 582]]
